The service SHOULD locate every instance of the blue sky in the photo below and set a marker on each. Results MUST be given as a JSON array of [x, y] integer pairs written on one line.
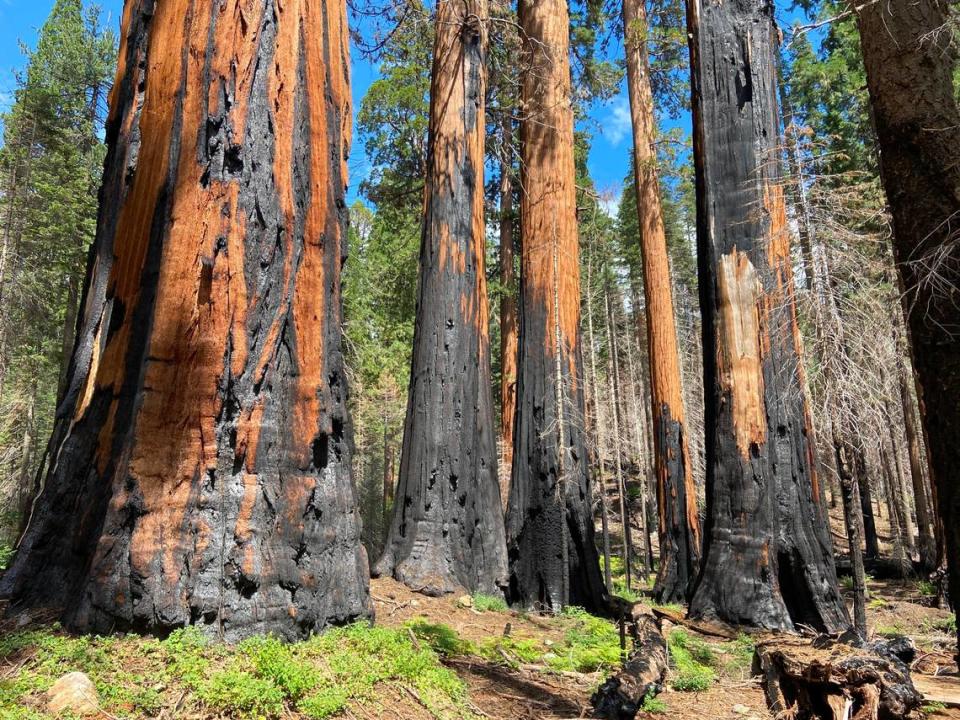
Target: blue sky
[[610, 121]]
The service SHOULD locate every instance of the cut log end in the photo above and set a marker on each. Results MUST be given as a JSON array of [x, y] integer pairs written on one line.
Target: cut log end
[[831, 680]]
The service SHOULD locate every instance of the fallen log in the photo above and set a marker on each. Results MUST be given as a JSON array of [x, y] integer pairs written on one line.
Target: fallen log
[[643, 674], [883, 568], [830, 680], [713, 628], [943, 689]]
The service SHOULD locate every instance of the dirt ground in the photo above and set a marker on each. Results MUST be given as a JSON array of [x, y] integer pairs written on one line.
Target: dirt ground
[[538, 692]]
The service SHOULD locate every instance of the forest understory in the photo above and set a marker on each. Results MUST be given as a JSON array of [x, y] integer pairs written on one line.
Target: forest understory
[[456, 656]]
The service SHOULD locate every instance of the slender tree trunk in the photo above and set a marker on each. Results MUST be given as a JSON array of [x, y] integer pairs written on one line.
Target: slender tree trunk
[[897, 535], [679, 526], [24, 473], [927, 545], [508, 314], [865, 492], [447, 528], [910, 65], [900, 488], [541, 558], [849, 490], [799, 191], [768, 558], [613, 383], [600, 425], [639, 461], [200, 462]]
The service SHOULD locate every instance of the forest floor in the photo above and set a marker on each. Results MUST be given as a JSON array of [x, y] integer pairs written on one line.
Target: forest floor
[[450, 657]]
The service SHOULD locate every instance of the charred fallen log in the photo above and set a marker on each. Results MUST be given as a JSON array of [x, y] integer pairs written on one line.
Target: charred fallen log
[[643, 673], [832, 680]]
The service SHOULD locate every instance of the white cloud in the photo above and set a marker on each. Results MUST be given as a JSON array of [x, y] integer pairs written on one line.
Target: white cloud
[[616, 124]]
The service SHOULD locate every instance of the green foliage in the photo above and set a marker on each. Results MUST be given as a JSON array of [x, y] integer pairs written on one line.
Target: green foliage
[[653, 704], [931, 708], [241, 694], [511, 650], [691, 659], [259, 678], [443, 639], [927, 588], [895, 630], [6, 555], [946, 625], [51, 161], [590, 644], [739, 654], [489, 603]]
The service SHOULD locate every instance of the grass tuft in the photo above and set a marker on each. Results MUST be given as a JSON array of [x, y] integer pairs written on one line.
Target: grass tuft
[[489, 603], [692, 661], [590, 644]]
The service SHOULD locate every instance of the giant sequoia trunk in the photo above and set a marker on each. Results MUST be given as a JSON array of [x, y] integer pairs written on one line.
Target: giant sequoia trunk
[[768, 558], [679, 527], [553, 559], [910, 62], [447, 528], [200, 463]]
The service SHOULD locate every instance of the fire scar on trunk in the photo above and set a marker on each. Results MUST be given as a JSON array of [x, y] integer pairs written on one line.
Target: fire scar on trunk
[[739, 343]]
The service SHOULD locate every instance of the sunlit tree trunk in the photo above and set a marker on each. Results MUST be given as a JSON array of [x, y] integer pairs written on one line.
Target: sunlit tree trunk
[[768, 556], [200, 463], [509, 329], [447, 529], [679, 526], [550, 532]]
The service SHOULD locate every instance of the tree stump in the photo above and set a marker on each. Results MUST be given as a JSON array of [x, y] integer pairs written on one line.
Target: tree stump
[[643, 673], [831, 680]]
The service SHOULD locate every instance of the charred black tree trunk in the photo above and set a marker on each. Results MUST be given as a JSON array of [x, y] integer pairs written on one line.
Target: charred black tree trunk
[[550, 534], [910, 63], [447, 529], [200, 463], [864, 490], [768, 557]]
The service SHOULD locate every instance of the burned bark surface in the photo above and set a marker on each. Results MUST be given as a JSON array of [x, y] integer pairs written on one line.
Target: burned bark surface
[[910, 61], [200, 462], [550, 535], [768, 557], [830, 680], [447, 527], [679, 525], [622, 695]]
